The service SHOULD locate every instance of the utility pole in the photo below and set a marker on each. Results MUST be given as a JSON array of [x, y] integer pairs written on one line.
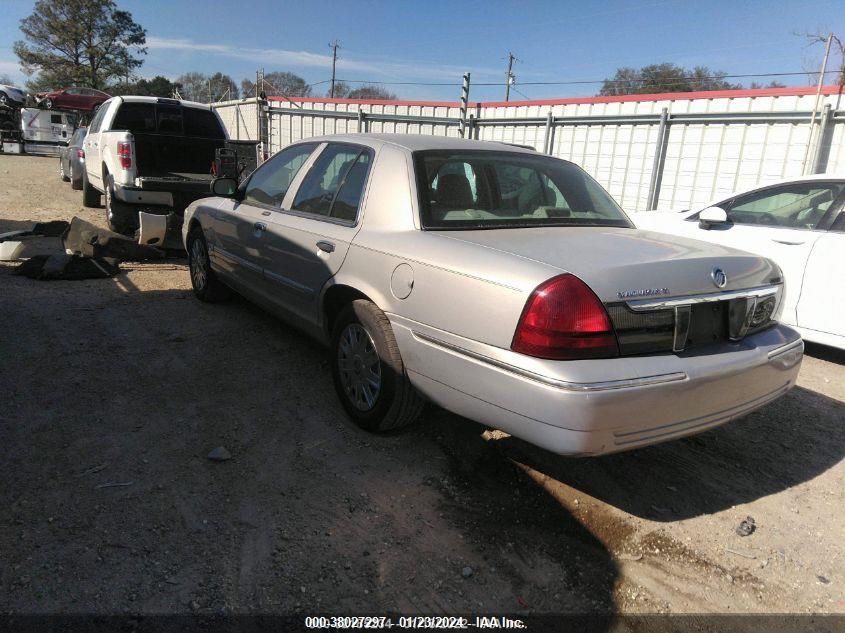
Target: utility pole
[[509, 75], [816, 104], [464, 99], [334, 46]]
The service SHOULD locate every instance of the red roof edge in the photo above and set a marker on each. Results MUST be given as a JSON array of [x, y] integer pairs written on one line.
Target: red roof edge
[[793, 91]]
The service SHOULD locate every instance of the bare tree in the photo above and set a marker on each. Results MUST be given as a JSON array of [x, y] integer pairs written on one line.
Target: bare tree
[[279, 83]]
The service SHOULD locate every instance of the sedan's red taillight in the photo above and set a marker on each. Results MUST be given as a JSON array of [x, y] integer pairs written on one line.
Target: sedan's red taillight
[[80, 153], [565, 320], [124, 153]]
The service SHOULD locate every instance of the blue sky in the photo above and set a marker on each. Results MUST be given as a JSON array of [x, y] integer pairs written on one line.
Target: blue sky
[[436, 41]]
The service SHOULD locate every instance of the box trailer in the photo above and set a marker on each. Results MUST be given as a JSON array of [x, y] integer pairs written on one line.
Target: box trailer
[[46, 131]]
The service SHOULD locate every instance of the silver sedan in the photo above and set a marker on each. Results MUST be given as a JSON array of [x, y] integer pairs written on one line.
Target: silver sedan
[[72, 159], [504, 285]]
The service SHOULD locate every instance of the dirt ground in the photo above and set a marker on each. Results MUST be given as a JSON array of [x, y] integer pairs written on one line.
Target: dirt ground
[[114, 391]]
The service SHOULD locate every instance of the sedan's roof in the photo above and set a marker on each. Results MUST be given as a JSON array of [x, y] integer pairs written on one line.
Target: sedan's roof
[[420, 142]]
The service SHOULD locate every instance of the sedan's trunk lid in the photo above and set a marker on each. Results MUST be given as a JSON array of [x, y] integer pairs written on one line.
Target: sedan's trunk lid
[[623, 263]]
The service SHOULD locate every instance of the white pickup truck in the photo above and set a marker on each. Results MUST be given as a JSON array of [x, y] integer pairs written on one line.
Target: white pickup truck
[[149, 154]]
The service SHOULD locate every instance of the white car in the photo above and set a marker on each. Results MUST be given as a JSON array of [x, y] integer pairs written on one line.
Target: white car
[[800, 224]]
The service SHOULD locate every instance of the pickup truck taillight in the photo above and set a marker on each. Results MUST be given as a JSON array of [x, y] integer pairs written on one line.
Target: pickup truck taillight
[[124, 153], [564, 320]]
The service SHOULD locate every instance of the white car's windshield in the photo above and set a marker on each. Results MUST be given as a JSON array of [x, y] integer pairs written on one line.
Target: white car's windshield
[[484, 189]]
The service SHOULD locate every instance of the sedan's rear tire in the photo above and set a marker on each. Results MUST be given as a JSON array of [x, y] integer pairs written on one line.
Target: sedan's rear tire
[[207, 287], [368, 372], [75, 179], [90, 196]]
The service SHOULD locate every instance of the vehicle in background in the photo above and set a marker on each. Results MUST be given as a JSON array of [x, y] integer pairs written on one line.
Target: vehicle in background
[[72, 159], [85, 99], [11, 96], [504, 285], [800, 224], [150, 157], [46, 131]]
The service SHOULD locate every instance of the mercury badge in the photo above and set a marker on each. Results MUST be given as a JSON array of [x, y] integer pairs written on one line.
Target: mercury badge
[[719, 277]]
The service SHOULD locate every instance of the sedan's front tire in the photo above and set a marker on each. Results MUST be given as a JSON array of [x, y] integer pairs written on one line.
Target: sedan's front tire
[[207, 287], [62, 172], [368, 372]]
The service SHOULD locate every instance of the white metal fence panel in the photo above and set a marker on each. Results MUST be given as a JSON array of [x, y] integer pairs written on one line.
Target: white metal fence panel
[[712, 144]]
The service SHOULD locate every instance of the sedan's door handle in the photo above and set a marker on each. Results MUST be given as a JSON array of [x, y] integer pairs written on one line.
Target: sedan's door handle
[[787, 242], [326, 247]]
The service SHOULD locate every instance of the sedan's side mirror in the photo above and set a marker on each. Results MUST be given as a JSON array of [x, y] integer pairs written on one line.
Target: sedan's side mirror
[[227, 187], [712, 216]]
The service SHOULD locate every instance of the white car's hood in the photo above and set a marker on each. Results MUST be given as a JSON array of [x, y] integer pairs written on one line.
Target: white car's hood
[[618, 260]]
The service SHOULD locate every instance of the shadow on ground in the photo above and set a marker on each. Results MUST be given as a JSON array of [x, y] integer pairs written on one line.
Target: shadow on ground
[[119, 389], [823, 352]]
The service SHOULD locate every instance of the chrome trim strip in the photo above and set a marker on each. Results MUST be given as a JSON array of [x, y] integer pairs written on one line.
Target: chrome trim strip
[[608, 385], [780, 351], [682, 322], [650, 304]]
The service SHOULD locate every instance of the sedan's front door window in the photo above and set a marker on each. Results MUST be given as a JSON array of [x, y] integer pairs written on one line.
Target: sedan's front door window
[[271, 181], [796, 206], [335, 183]]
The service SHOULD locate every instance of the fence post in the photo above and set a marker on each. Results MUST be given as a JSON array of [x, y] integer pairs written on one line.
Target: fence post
[[362, 121], [659, 160], [819, 161], [550, 121]]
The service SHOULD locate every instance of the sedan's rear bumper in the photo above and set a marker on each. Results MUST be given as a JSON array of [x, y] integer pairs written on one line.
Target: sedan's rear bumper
[[600, 406]]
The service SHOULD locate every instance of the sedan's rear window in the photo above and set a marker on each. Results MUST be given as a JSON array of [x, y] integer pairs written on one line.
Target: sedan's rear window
[[488, 189]]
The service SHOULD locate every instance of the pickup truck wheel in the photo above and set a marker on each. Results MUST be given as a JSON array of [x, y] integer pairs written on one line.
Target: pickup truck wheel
[[206, 285], [121, 217], [368, 372], [90, 196], [62, 173]]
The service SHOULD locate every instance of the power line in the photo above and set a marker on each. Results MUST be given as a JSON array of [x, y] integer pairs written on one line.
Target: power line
[[583, 82]]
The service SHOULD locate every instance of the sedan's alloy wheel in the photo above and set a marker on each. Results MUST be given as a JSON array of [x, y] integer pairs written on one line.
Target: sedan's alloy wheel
[[199, 262], [359, 366]]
